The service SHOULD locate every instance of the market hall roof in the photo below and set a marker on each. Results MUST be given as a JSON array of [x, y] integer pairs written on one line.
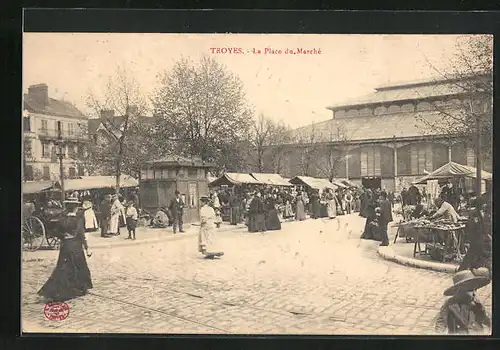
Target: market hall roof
[[416, 90], [271, 179], [400, 125]]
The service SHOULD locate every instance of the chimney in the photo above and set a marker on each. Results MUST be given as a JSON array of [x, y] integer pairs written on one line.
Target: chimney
[[40, 92], [107, 114], [133, 110]]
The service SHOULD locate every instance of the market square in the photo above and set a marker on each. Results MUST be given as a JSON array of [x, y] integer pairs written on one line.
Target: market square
[[198, 197]]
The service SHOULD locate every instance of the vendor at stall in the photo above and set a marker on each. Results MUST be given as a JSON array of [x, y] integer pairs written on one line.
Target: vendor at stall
[[445, 211], [418, 212]]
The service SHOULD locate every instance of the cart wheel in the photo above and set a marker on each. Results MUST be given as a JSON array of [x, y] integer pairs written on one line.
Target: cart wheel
[[33, 232], [53, 242]]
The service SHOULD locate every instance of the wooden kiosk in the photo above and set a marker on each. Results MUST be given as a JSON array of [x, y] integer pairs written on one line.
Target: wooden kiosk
[[161, 178]]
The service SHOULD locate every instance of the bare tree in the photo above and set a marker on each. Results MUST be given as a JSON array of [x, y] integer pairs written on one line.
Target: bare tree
[[123, 96], [332, 151], [205, 106], [470, 73], [267, 142], [307, 141]]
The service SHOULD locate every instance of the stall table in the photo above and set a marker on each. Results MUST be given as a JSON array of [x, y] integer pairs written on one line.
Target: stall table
[[453, 245]]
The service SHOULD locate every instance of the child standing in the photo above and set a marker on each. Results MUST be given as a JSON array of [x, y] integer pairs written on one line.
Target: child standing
[[131, 218]]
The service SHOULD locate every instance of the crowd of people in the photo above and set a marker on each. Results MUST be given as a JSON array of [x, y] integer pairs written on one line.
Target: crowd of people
[[264, 208]]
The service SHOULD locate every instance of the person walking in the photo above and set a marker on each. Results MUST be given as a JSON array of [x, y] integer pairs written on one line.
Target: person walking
[[90, 218], [331, 204], [206, 235], [463, 313], [217, 208], [117, 213], [71, 277], [235, 205], [348, 201], [257, 211], [105, 209], [177, 211], [300, 212], [131, 218], [385, 218]]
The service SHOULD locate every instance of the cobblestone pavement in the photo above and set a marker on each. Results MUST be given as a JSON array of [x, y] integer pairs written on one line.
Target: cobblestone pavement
[[314, 277]]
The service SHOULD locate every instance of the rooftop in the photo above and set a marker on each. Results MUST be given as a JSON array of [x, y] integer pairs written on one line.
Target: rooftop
[[54, 107], [400, 125], [407, 91]]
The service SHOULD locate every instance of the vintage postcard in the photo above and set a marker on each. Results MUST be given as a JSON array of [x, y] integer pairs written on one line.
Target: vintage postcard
[[257, 184]]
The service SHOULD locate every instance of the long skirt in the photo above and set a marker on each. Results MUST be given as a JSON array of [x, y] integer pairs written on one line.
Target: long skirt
[[331, 208], [288, 212], [114, 223], [207, 241], [90, 220], [235, 215], [71, 277], [300, 213], [272, 220]]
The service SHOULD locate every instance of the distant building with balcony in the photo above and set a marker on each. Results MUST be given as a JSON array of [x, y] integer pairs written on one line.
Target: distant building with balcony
[[387, 143], [41, 116]]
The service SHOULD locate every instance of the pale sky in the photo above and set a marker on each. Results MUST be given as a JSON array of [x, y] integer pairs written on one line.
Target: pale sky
[[293, 88]]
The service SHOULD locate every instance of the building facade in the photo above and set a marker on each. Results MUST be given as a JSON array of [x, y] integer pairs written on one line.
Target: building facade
[[42, 118], [387, 142]]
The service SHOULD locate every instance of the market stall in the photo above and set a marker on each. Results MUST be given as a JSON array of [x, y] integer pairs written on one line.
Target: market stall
[[312, 183], [444, 240], [271, 179]]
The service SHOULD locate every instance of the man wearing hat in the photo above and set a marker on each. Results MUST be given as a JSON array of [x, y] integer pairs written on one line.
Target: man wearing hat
[[177, 211], [105, 209], [463, 313]]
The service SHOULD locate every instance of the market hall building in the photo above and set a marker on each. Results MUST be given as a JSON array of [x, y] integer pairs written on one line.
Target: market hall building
[[386, 144]]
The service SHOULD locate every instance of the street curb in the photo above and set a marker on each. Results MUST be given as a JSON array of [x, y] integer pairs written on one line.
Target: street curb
[[387, 253]]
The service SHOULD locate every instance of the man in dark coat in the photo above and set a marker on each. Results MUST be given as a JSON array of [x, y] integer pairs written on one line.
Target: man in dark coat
[[413, 195], [235, 204], [384, 218], [177, 211], [257, 214], [404, 197], [105, 209]]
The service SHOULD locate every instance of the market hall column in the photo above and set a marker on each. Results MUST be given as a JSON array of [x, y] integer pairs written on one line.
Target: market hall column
[[449, 152], [347, 165], [395, 163]]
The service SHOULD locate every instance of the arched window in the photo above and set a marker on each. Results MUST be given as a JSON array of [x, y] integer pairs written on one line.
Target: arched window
[[339, 114], [352, 113], [380, 110], [424, 106], [408, 108], [365, 112], [394, 109]]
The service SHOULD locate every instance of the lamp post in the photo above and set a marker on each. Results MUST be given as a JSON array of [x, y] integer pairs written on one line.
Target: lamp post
[[60, 155]]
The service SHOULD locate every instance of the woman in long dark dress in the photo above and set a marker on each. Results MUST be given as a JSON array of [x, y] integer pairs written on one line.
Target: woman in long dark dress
[[273, 222], [370, 205], [71, 277]]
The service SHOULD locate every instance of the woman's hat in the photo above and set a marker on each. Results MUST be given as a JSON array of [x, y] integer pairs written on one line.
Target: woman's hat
[[204, 199], [86, 205], [466, 281], [129, 203]]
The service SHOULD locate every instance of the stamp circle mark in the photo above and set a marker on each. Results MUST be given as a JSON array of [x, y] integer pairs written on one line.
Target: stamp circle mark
[[56, 311]]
